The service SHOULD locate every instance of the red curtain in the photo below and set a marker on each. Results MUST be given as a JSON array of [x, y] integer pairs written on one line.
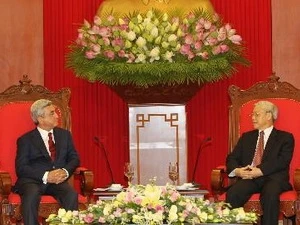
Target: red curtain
[[99, 112]]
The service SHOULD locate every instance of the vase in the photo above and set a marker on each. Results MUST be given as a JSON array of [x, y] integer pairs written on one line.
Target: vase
[[170, 94]]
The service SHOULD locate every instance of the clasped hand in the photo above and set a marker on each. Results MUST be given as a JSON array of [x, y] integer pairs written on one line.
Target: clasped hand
[[248, 172], [57, 176]]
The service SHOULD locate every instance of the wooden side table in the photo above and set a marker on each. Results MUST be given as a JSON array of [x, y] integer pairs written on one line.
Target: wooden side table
[[109, 195], [105, 195], [198, 193]]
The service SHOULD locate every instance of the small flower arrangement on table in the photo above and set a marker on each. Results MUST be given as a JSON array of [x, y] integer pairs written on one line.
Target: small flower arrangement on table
[[153, 205], [146, 49]]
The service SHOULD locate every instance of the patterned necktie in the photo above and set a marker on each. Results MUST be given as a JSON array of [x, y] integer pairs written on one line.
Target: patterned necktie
[[52, 148], [259, 149]]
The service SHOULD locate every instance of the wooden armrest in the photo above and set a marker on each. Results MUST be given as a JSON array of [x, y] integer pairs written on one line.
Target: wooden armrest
[[217, 180], [86, 180], [297, 180], [5, 184], [79, 170], [220, 180]]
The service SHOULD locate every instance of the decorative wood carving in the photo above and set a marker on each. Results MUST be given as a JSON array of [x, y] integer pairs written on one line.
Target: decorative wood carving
[[272, 88], [26, 91], [173, 94]]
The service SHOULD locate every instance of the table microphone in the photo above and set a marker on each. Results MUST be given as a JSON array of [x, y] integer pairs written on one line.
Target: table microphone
[[203, 143], [100, 145]]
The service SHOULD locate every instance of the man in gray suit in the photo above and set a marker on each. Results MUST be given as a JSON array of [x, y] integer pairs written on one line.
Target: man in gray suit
[[46, 157], [261, 161]]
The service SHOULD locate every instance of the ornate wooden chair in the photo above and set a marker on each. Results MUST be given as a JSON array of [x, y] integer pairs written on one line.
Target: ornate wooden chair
[[287, 98], [15, 120]]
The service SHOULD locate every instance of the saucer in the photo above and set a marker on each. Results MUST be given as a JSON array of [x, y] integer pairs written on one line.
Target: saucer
[[186, 187], [100, 189], [181, 188]]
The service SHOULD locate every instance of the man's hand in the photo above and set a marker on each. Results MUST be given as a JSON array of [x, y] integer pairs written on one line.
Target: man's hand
[[248, 172], [244, 172], [56, 176], [256, 172]]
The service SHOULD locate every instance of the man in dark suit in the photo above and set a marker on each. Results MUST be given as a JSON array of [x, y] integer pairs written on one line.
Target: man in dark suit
[[261, 163], [44, 163]]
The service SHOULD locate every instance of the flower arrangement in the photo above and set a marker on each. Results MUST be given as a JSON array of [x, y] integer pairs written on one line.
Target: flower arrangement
[[153, 205], [146, 49]]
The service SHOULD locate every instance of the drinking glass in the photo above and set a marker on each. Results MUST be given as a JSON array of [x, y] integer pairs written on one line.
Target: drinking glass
[[129, 172], [173, 172]]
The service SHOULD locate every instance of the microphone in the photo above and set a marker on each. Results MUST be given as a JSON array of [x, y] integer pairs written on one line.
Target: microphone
[[203, 144], [101, 147]]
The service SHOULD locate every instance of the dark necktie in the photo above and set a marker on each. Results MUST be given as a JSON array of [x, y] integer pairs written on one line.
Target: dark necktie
[[259, 149], [52, 148]]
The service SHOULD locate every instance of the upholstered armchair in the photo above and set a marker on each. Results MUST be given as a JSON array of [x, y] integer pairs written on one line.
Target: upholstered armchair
[[15, 120], [287, 98]]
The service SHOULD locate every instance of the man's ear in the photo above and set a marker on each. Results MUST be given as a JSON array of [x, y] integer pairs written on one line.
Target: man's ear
[[270, 116], [39, 119]]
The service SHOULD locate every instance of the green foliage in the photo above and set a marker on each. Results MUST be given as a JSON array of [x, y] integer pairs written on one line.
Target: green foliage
[[148, 74], [152, 62]]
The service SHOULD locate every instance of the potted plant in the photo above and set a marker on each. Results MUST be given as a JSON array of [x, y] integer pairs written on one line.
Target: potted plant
[[156, 48], [151, 204]]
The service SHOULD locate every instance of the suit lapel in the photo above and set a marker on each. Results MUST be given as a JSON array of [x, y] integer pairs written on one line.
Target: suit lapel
[[270, 143], [252, 143], [58, 142], [39, 143]]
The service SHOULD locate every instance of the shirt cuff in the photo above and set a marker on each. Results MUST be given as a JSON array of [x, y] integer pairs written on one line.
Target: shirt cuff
[[45, 177], [67, 173], [232, 174]]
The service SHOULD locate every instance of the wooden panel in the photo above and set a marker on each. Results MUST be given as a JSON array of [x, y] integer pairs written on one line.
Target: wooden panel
[[285, 38], [21, 46]]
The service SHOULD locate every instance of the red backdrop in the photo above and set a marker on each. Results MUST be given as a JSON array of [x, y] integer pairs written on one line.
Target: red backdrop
[[99, 112]]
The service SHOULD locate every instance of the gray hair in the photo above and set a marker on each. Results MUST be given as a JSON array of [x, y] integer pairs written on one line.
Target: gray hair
[[268, 107], [37, 109]]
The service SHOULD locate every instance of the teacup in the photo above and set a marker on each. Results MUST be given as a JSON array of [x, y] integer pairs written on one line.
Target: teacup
[[188, 185], [116, 187]]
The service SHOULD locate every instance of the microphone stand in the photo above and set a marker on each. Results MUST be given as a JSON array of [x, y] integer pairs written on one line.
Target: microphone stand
[[201, 147], [101, 146]]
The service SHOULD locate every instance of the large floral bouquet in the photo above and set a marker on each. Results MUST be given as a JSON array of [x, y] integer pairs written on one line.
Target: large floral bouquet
[[156, 48], [153, 205]]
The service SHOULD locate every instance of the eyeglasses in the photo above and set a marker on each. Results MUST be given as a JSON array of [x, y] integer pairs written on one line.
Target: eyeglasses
[[256, 115]]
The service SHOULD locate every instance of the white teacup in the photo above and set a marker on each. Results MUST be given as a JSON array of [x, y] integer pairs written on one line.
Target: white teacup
[[116, 187], [188, 185]]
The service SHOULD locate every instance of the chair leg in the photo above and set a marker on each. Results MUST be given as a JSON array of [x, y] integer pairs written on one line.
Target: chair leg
[[6, 213], [289, 220], [10, 215], [297, 221]]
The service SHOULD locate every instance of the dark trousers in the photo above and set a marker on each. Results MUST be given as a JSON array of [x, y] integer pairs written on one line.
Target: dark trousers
[[31, 196], [239, 193]]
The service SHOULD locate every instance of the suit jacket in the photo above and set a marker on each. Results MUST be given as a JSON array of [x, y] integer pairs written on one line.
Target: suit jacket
[[33, 159], [276, 158]]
